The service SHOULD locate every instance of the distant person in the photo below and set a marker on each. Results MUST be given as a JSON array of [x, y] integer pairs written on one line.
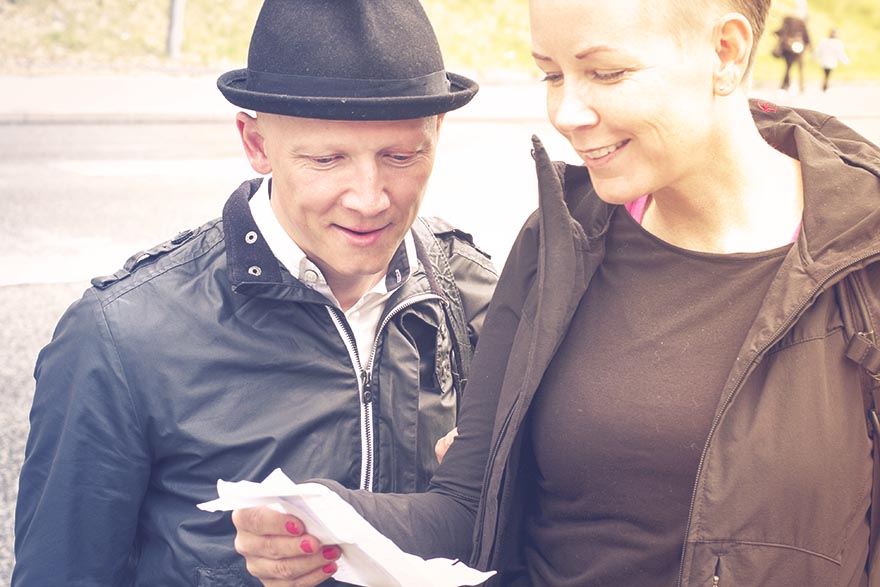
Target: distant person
[[319, 326], [793, 41], [830, 52]]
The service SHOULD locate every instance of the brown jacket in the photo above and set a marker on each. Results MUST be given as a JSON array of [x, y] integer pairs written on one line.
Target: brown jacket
[[784, 485]]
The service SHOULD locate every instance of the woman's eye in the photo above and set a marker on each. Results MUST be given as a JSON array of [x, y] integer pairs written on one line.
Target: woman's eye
[[552, 78], [608, 76]]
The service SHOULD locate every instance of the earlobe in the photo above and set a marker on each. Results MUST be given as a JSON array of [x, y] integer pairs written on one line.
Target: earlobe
[[733, 46], [253, 141]]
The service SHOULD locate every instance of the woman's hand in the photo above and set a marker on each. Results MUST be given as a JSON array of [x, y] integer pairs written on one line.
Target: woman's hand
[[279, 552]]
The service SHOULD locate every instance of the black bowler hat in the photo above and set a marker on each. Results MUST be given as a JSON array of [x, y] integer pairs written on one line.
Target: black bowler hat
[[345, 60]]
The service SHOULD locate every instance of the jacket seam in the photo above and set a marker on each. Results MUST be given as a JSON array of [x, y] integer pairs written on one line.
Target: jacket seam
[[830, 559], [115, 349], [162, 271], [795, 343], [475, 261]]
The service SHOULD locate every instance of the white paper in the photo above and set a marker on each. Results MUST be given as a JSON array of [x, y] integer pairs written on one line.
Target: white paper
[[368, 558]]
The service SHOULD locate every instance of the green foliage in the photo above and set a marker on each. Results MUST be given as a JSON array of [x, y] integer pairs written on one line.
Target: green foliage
[[480, 37], [219, 31]]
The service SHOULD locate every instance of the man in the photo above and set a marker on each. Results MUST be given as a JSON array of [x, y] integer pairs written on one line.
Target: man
[[308, 329]]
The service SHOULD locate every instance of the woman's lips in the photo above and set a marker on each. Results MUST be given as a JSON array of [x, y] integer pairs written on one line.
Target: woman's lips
[[597, 154]]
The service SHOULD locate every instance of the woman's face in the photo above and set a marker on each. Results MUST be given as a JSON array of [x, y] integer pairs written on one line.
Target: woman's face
[[633, 99]]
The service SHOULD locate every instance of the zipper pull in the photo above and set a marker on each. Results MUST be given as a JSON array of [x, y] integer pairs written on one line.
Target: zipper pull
[[716, 580], [367, 378]]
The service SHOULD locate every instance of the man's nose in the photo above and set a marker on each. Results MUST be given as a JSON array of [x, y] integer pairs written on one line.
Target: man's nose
[[368, 194]]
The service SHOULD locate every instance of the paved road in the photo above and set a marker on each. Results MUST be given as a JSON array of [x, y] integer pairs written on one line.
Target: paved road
[[84, 183]]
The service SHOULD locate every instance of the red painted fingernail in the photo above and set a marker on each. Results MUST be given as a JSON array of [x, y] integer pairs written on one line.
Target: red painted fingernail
[[307, 547], [329, 553], [291, 527], [329, 568]]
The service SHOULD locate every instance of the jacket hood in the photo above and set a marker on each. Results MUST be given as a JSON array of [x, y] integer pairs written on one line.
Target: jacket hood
[[841, 170]]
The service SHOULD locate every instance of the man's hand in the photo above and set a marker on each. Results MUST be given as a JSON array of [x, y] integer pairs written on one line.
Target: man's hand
[[444, 443], [279, 552]]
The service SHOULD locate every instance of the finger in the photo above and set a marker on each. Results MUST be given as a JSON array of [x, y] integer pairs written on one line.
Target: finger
[[275, 547], [266, 521], [308, 569], [310, 579]]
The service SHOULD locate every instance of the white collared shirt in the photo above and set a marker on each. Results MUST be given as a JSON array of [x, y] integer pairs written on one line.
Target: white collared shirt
[[364, 315]]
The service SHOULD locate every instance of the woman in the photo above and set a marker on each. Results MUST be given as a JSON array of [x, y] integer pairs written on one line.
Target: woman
[[660, 395]]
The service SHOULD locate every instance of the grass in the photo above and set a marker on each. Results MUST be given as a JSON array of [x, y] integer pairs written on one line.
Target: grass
[[480, 37]]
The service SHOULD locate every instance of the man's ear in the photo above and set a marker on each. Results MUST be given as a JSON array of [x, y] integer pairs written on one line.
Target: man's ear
[[254, 142], [733, 46], [440, 118]]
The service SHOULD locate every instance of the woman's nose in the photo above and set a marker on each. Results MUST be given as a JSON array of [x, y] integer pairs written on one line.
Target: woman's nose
[[571, 107]]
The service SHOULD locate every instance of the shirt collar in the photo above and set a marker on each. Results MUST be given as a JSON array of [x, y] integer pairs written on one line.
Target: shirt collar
[[403, 263]]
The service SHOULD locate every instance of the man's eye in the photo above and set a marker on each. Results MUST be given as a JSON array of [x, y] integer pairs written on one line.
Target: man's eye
[[400, 158], [325, 160]]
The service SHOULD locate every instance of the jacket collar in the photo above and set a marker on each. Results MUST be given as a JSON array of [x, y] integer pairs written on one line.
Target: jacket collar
[[841, 173]]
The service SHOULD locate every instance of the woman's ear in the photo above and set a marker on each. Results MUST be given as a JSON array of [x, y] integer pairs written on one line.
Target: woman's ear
[[254, 142], [733, 45]]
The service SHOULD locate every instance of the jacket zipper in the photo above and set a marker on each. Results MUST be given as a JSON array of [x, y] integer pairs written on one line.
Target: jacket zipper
[[366, 408], [716, 576], [729, 399], [365, 381]]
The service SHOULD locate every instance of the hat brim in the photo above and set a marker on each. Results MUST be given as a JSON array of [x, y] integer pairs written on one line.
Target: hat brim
[[233, 86]]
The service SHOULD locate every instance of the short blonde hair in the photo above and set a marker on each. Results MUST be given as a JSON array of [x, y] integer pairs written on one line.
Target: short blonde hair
[[687, 15]]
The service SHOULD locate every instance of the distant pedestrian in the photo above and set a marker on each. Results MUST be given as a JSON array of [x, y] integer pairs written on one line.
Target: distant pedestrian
[[793, 43], [831, 53]]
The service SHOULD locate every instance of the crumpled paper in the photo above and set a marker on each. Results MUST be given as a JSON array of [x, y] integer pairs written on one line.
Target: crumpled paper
[[368, 557]]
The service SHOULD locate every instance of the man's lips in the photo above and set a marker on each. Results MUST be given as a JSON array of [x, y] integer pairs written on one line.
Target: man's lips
[[361, 230], [361, 235]]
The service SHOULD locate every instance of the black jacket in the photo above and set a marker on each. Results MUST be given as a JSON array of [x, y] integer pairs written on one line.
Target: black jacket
[[189, 366]]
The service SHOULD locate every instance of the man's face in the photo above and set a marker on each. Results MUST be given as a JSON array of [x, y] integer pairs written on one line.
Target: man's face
[[345, 191]]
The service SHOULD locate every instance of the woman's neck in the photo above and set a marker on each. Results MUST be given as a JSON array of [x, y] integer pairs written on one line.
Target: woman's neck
[[748, 199]]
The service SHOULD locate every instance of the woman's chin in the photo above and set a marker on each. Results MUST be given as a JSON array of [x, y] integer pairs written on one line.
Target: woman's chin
[[617, 197]]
